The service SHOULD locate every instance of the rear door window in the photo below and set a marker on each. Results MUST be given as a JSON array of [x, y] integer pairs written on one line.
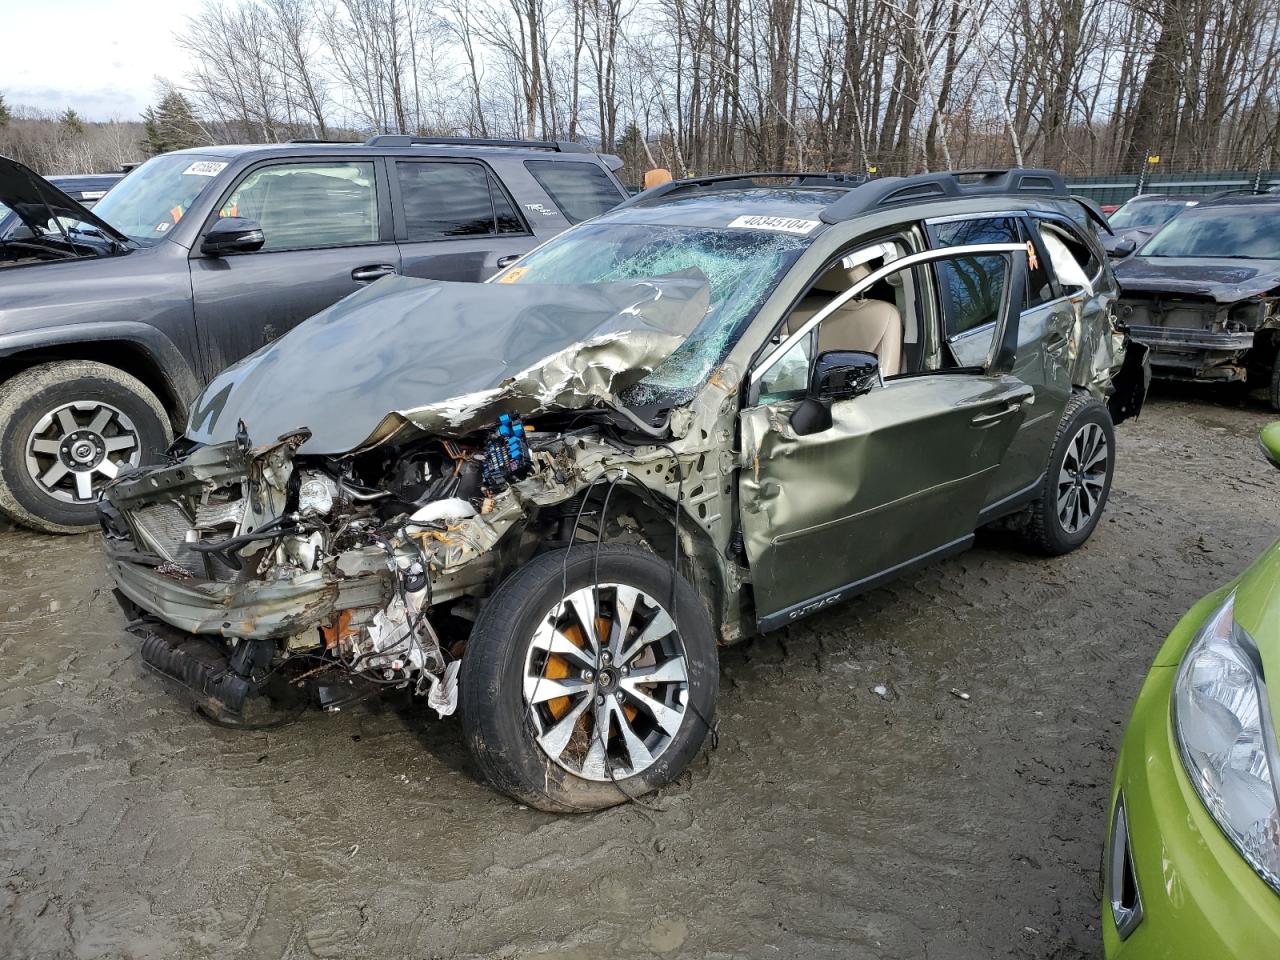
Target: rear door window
[[301, 205], [1073, 260], [971, 288], [1040, 287], [580, 190], [442, 200]]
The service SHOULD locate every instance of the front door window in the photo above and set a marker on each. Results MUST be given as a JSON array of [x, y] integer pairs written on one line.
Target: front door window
[[971, 288], [307, 205]]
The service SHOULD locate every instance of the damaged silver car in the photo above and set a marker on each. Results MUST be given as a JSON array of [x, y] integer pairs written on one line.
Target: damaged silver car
[[545, 501], [1204, 294]]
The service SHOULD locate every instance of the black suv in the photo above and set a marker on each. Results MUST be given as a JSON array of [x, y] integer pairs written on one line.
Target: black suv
[[1204, 293], [111, 322], [1140, 217]]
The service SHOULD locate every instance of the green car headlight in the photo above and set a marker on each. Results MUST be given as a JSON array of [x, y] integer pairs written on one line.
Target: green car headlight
[[1227, 740]]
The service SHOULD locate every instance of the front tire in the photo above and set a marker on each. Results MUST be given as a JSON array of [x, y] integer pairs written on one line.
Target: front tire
[[580, 693], [1077, 482], [66, 428]]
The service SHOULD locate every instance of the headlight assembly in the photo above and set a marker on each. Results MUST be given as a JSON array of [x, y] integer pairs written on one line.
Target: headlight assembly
[[1227, 740]]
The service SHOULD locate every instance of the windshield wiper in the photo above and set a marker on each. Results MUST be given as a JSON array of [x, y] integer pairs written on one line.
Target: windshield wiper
[[37, 246]]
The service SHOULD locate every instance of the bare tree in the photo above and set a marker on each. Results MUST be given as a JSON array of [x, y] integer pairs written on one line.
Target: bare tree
[[893, 86]]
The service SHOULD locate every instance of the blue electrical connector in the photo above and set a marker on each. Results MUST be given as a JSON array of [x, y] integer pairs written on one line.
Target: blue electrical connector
[[506, 456]]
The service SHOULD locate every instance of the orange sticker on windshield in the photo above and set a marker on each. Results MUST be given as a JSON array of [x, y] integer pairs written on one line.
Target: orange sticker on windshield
[[514, 274]]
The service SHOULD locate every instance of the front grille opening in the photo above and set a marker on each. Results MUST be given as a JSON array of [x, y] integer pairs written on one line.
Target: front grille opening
[[1122, 879], [1129, 889]]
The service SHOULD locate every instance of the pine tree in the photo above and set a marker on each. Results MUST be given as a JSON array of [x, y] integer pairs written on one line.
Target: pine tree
[[170, 125], [5, 114], [631, 149], [71, 122]]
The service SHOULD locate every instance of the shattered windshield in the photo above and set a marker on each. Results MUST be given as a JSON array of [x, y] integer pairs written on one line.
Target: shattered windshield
[[741, 266], [1240, 232], [147, 203]]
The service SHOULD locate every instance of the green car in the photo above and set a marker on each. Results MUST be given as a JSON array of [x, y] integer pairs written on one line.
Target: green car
[[1192, 863]]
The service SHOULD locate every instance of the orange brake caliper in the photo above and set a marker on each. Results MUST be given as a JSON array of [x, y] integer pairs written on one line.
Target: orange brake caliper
[[558, 668]]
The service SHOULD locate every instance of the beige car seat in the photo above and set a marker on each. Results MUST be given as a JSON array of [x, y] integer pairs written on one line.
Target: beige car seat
[[871, 325]]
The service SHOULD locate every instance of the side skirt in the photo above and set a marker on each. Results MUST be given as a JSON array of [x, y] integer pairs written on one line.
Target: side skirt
[[796, 611], [1010, 504]]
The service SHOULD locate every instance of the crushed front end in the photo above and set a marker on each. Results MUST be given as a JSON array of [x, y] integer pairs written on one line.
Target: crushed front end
[[1203, 320], [353, 549], [1198, 337], [239, 564]]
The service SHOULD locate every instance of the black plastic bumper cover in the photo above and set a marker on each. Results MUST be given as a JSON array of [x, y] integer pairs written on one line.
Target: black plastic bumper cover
[[219, 678], [1130, 385]]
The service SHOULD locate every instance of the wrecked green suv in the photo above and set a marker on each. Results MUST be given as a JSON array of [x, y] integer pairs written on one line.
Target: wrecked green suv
[[546, 500]]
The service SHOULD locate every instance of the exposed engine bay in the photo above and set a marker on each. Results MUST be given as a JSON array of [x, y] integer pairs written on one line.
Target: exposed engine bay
[[1207, 319], [354, 551], [40, 223]]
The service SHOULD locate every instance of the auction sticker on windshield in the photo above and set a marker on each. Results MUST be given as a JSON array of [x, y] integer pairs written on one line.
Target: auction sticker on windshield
[[784, 224], [204, 168]]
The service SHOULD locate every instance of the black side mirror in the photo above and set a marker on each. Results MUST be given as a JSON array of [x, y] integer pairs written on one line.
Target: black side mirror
[[841, 374], [1124, 247], [232, 235]]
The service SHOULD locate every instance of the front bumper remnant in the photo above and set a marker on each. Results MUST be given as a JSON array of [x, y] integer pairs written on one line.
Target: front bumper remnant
[[257, 609], [1181, 338]]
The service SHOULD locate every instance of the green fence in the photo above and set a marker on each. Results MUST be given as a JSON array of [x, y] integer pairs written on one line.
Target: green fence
[[1119, 188]]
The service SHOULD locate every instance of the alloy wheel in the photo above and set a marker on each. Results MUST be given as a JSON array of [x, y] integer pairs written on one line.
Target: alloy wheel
[[76, 448], [1082, 477], [606, 682]]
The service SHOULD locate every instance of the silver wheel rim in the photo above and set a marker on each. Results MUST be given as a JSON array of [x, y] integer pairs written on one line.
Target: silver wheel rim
[[76, 448], [606, 682], [1082, 480]]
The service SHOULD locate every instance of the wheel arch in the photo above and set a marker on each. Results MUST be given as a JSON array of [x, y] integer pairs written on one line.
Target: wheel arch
[[135, 348], [645, 518]]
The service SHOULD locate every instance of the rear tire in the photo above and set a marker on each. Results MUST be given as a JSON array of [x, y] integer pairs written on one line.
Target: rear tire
[[547, 750], [65, 429], [1077, 482]]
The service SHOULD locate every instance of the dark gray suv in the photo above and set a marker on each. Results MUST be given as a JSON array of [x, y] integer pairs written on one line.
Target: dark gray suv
[[111, 322]]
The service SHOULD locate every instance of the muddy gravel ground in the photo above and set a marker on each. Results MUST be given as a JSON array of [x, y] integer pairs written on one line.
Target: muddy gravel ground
[[829, 822]]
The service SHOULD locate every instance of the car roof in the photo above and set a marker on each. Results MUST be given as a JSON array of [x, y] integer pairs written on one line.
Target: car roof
[[719, 208], [74, 179], [1145, 197], [1243, 200], [233, 151], [831, 198]]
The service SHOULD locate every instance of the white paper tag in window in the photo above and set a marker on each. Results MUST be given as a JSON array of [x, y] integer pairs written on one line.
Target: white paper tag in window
[[204, 168], [781, 224]]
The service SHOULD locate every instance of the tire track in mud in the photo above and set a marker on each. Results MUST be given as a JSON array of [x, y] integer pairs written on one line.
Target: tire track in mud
[[831, 822]]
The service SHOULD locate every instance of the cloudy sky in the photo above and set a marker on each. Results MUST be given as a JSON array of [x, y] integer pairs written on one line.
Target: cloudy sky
[[100, 57]]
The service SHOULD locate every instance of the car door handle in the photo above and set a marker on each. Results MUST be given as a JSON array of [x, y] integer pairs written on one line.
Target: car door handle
[[507, 261], [1006, 409], [371, 272]]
